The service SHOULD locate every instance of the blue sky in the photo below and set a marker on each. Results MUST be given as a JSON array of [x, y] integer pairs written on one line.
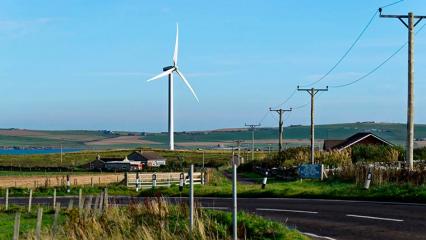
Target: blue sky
[[83, 64]]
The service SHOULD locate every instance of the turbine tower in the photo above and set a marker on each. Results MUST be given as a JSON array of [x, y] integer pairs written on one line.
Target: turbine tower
[[168, 71]]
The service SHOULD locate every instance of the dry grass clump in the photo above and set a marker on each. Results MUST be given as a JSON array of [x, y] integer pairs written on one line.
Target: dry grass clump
[[156, 219]]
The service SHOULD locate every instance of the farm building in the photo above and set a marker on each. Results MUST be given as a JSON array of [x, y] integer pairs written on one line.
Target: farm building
[[133, 162], [365, 138], [123, 165], [148, 158]]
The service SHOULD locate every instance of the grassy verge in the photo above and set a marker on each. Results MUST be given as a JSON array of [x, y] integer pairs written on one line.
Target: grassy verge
[[28, 221], [220, 186], [154, 219]]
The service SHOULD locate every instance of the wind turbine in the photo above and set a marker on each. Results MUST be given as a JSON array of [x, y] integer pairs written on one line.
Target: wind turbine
[[168, 71]]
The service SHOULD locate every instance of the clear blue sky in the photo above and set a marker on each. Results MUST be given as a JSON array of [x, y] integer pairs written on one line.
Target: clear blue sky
[[82, 64]]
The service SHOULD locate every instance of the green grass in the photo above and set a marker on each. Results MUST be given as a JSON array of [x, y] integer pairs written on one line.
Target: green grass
[[393, 132], [219, 186], [213, 158], [329, 189], [28, 221]]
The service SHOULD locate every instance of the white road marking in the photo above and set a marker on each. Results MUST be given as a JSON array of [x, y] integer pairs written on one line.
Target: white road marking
[[377, 218], [223, 208], [317, 236], [285, 210]]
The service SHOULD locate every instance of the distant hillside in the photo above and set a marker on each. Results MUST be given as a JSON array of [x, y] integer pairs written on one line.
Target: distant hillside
[[294, 135]]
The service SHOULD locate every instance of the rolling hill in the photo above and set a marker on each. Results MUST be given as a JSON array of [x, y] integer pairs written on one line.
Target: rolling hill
[[294, 135]]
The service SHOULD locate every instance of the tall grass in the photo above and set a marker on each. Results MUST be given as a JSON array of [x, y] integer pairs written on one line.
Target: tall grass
[[156, 219]]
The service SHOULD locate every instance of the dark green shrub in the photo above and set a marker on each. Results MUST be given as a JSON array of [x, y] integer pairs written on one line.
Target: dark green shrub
[[420, 153], [376, 153]]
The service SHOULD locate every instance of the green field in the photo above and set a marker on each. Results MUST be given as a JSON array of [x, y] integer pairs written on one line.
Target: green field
[[393, 132], [220, 186], [213, 158]]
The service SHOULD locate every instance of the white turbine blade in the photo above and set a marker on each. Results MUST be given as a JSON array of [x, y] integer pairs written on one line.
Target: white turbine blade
[[187, 84], [175, 54], [161, 75]]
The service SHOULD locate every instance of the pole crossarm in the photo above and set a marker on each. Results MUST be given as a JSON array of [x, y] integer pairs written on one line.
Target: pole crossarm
[[312, 91], [402, 17]]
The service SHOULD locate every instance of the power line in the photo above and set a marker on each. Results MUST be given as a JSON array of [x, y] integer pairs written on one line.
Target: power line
[[378, 66], [391, 4], [338, 62], [346, 53]]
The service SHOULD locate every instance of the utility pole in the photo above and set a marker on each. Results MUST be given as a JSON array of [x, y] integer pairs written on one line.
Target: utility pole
[[238, 142], [410, 108], [252, 128], [280, 125], [312, 92]]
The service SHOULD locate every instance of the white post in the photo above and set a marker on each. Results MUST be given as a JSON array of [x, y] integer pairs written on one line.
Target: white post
[[265, 180], [181, 181], [68, 184], [154, 180], [30, 199], [191, 197], [54, 197], [234, 200], [6, 201]]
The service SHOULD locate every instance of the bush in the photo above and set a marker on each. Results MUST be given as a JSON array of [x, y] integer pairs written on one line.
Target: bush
[[420, 153], [376, 153], [301, 155]]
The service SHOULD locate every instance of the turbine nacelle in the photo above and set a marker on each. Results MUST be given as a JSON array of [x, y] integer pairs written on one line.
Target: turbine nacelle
[[165, 69]]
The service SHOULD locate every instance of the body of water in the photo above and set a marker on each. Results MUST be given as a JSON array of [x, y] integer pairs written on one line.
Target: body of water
[[35, 151]]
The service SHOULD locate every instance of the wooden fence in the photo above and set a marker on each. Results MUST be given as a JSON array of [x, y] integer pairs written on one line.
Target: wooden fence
[[149, 180]]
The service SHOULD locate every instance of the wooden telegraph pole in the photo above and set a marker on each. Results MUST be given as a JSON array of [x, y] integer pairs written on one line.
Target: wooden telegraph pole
[[312, 92], [410, 108], [280, 125], [252, 128]]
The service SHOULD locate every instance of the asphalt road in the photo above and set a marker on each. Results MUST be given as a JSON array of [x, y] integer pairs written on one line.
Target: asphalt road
[[322, 219]]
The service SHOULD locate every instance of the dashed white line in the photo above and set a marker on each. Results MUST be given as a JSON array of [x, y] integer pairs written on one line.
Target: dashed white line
[[376, 218], [285, 210], [219, 208], [317, 236]]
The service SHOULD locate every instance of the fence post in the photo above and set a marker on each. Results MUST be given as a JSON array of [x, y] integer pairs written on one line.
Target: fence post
[[30, 199], [101, 202], [137, 181], [154, 180], [38, 224], [91, 181], [70, 204], [126, 178], [54, 197], [6, 201], [181, 181], [96, 202], [55, 217], [88, 205], [68, 184], [106, 198], [16, 226]]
